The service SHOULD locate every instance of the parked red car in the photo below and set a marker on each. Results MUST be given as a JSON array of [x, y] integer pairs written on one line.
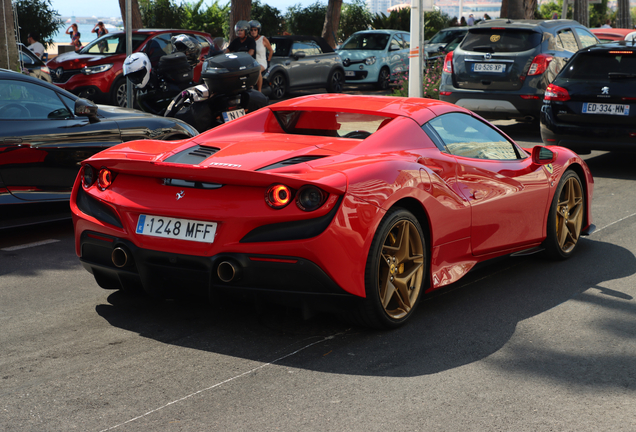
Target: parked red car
[[95, 72], [368, 200], [611, 34]]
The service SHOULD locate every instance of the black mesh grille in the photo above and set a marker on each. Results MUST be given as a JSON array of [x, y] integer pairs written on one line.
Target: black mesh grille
[[291, 161], [65, 76], [193, 155]]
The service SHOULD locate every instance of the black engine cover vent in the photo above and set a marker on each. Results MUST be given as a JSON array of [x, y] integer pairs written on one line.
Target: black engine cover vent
[[193, 155], [291, 161]]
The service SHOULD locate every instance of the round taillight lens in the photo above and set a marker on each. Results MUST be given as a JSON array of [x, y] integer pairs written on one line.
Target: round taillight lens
[[88, 176], [104, 178], [278, 196], [309, 198]]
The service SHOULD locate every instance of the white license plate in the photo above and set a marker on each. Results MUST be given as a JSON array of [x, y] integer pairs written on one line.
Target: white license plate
[[182, 229], [601, 108], [350, 73], [233, 115], [489, 67]]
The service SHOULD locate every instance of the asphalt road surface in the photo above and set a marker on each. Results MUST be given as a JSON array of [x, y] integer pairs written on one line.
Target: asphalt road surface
[[523, 344]]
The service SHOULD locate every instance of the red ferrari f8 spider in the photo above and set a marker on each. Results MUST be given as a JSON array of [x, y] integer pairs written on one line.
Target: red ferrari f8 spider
[[377, 200]]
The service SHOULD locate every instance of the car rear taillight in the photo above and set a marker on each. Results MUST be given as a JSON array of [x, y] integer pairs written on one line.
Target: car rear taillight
[[448, 62], [539, 64], [104, 178], [88, 176], [278, 196], [556, 93], [310, 198]]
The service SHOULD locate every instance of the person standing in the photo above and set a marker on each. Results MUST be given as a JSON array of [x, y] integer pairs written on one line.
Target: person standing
[[608, 24], [36, 47], [75, 36], [264, 51], [471, 20], [101, 31]]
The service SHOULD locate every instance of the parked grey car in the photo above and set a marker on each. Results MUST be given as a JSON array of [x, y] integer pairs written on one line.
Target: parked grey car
[[502, 67], [303, 62]]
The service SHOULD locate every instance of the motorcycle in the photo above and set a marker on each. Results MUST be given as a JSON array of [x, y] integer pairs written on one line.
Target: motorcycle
[[168, 89], [226, 93]]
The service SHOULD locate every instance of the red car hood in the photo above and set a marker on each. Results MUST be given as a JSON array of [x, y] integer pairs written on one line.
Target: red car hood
[[73, 60]]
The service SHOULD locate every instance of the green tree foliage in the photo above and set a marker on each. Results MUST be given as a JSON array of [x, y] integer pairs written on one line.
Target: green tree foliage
[[271, 19], [598, 13], [354, 17], [306, 20], [396, 20], [161, 14], [210, 19], [434, 22], [37, 16]]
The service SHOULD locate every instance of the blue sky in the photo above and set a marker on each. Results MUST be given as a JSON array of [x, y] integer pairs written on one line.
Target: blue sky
[[110, 8]]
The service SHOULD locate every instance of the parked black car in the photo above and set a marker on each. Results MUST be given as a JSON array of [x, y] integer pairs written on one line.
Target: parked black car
[[32, 65], [591, 105], [444, 41], [303, 62], [46, 132], [502, 67]]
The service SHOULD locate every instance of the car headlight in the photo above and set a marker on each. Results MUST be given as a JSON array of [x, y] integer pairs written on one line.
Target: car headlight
[[96, 69], [369, 61]]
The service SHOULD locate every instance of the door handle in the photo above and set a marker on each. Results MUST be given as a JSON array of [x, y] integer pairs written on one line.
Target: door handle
[[12, 140]]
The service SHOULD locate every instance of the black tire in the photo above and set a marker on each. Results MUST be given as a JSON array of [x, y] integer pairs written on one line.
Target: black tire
[[396, 272], [565, 219], [383, 79], [336, 82], [278, 85], [118, 93]]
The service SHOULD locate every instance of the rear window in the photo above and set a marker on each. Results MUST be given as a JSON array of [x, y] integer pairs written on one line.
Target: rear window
[[500, 40], [598, 65], [330, 123]]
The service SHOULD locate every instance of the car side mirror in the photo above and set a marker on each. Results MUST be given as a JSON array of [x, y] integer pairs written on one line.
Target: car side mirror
[[298, 55], [394, 48], [543, 155], [86, 108]]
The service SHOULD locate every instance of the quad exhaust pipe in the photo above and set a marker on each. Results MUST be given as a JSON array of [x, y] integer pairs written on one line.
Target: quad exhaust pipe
[[121, 257], [228, 271]]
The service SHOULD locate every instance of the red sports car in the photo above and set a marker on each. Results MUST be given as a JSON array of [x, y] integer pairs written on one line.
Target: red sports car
[[375, 200]]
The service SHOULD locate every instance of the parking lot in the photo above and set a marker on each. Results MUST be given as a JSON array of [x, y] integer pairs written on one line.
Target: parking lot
[[520, 344]]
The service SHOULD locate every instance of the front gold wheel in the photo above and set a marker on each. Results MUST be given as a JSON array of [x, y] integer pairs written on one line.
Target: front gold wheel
[[566, 218], [569, 215]]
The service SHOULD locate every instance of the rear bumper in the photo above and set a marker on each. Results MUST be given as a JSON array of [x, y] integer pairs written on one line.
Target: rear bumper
[[495, 105], [585, 138], [165, 274]]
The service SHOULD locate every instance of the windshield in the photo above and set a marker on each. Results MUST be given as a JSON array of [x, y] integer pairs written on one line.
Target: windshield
[[367, 41], [112, 44], [447, 36], [599, 65]]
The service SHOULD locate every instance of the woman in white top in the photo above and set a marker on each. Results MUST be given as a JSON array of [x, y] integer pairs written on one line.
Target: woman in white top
[[264, 51]]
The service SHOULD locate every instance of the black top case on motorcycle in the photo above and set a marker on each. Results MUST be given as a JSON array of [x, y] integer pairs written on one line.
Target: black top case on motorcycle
[[230, 73], [175, 68]]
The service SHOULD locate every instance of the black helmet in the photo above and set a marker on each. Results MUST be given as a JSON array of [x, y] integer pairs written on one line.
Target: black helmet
[[187, 45], [255, 24], [242, 25]]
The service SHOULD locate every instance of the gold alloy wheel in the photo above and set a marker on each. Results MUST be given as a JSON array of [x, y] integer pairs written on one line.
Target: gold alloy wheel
[[569, 215], [401, 269]]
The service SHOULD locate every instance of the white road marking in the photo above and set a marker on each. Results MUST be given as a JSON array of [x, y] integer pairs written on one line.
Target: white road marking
[[615, 222], [223, 382], [28, 245]]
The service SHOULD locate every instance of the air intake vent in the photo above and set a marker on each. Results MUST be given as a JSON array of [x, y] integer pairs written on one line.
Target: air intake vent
[[291, 161], [193, 155]]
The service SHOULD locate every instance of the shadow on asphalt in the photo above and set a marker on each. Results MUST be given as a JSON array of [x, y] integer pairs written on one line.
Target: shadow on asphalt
[[466, 324], [616, 165]]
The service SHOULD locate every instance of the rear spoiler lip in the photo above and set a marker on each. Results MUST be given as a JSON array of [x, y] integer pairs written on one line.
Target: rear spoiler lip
[[330, 181]]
